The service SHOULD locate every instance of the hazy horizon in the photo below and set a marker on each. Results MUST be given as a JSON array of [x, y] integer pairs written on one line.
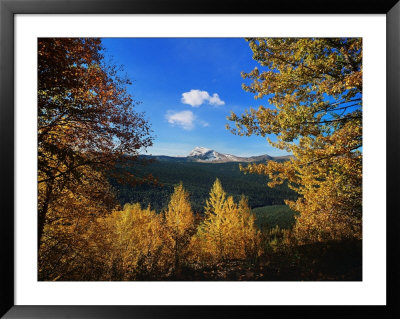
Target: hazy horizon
[[184, 153]]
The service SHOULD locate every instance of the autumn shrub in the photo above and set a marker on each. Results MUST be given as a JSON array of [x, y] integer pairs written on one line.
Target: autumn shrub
[[276, 239]]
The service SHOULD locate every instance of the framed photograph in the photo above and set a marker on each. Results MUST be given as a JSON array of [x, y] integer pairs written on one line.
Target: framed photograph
[[174, 159]]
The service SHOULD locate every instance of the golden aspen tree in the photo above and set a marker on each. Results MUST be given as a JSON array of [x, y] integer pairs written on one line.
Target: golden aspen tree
[[216, 201], [314, 90], [250, 236], [210, 233], [229, 244], [64, 252], [178, 227], [134, 235], [227, 230]]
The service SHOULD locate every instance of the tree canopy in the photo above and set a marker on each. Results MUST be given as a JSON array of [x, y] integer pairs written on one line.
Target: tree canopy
[[314, 92], [86, 124]]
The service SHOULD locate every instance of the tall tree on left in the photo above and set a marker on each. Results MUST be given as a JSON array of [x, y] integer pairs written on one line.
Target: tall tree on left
[[86, 126]]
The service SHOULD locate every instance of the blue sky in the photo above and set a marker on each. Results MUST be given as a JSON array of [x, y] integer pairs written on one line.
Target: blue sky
[[187, 87]]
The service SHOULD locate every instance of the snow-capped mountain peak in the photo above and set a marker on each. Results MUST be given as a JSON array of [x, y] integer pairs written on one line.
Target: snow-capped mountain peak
[[199, 151], [206, 154]]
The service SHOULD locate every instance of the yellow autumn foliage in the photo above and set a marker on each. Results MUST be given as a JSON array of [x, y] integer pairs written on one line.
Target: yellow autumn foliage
[[314, 91], [178, 228], [135, 242], [228, 231]]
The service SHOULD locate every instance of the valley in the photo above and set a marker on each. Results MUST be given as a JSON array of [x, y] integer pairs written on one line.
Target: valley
[[197, 176]]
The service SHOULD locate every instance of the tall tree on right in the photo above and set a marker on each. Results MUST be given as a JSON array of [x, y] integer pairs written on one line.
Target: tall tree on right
[[314, 91]]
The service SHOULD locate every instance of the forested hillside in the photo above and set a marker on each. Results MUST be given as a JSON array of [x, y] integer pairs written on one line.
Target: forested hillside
[[197, 178]]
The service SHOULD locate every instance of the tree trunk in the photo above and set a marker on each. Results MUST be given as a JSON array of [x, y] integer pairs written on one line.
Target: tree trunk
[[176, 255]]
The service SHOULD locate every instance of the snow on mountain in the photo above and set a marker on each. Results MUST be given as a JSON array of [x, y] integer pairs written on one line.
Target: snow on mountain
[[199, 151], [205, 154], [209, 155]]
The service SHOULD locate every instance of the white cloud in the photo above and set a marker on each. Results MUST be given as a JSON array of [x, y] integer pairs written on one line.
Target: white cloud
[[196, 97], [185, 119], [204, 124], [215, 100]]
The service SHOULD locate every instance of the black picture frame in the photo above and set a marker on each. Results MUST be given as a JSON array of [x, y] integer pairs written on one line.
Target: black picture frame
[[8, 8]]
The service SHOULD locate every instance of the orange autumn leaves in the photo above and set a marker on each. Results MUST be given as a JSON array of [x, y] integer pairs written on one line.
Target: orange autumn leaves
[[314, 90], [87, 124]]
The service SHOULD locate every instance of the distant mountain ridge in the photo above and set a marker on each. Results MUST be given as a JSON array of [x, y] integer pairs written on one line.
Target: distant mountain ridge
[[206, 155], [197, 176]]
